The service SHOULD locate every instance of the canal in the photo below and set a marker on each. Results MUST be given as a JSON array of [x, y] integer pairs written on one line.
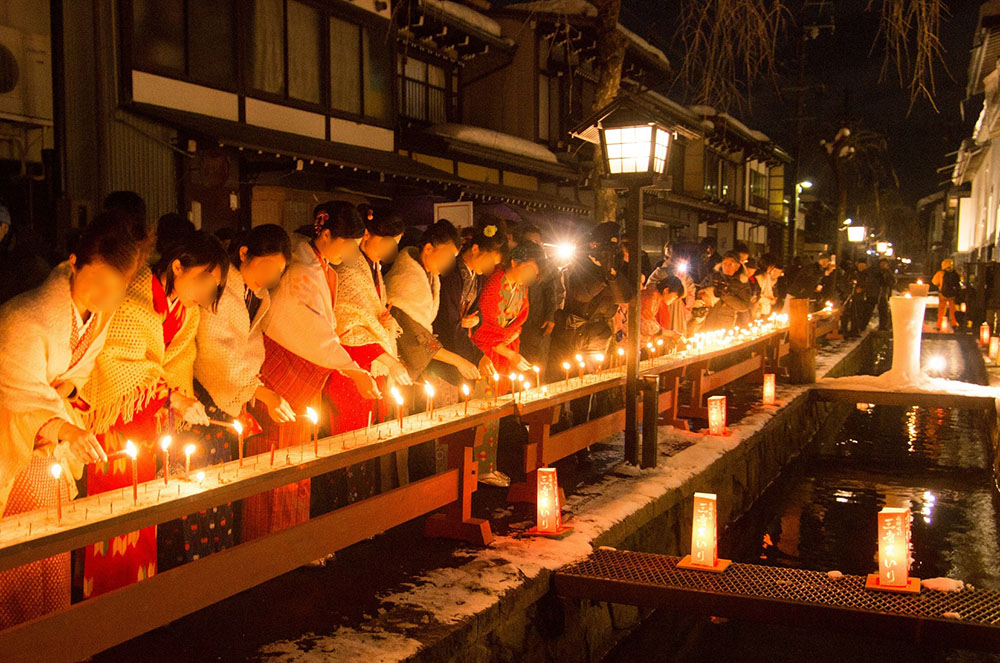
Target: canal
[[820, 515]]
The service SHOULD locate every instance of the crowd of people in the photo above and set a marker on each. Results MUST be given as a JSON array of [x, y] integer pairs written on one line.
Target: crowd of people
[[141, 334]]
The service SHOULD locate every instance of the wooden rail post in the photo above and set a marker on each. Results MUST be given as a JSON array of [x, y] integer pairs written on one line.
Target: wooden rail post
[[802, 355], [650, 420], [456, 522], [539, 425]]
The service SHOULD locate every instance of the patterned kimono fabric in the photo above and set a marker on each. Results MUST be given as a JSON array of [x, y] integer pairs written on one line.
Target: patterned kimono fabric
[[504, 308], [130, 557], [41, 587]]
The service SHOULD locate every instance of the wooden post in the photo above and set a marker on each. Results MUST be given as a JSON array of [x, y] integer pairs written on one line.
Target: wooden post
[[457, 522], [802, 355], [650, 420], [633, 229], [539, 425]]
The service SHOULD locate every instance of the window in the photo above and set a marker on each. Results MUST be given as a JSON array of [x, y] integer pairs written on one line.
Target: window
[[711, 174], [305, 41], [758, 189], [286, 43], [185, 38], [360, 81], [423, 90], [267, 64], [728, 182], [675, 165], [550, 106]]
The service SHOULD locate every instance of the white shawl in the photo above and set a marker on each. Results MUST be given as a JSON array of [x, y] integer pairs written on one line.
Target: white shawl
[[359, 309], [231, 347], [412, 290], [301, 318], [35, 353]]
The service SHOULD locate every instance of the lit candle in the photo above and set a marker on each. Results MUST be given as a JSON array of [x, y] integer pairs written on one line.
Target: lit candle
[[716, 415], [581, 364], [399, 408], [467, 392], [705, 531], [894, 547], [314, 418], [200, 477], [566, 366], [165, 446], [538, 374], [238, 427], [769, 388], [525, 386], [984, 333], [132, 452], [621, 357], [496, 388], [600, 363], [188, 450], [513, 386], [429, 393], [548, 509], [56, 470], [272, 455]]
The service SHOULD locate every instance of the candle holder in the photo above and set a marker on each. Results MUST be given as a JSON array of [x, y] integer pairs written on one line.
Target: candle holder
[[893, 554], [717, 415], [548, 507], [704, 537]]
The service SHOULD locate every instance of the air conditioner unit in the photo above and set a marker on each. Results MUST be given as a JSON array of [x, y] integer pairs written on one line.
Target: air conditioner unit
[[25, 77]]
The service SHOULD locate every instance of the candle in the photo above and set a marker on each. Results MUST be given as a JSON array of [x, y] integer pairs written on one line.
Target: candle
[[716, 415], [704, 531], [467, 392], [429, 393], [984, 333], [496, 388], [566, 368], [513, 386], [188, 450], [200, 477], [769, 389], [538, 374], [272, 454], [525, 386], [581, 364], [894, 548], [56, 470], [132, 452], [165, 446], [314, 418], [399, 409], [621, 356], [600, 363], [238, 427]]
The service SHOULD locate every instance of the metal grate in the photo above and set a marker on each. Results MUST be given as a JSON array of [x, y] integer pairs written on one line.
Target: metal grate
[[648, 579]]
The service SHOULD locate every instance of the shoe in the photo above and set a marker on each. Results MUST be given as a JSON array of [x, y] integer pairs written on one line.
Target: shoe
[[322, 561], [495, 478]]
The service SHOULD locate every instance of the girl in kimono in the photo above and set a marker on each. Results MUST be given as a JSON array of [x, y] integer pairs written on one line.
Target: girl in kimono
[[301, 350], [504, 308], [230, 352], [368, 333], [49, 339], [143, 379]]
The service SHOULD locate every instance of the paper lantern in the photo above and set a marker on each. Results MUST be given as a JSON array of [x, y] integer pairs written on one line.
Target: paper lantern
[[549, 513], [994, 347], [704, 537], [717, 415], [984, 333], [893, 553], [769, 388]]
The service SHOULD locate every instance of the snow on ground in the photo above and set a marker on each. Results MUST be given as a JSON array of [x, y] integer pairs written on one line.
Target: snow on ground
[[942, 584], [448, 596]]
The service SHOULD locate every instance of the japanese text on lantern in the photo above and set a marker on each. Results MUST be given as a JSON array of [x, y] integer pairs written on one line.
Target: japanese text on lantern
[[704, 544], [893, 547], [549, 512]]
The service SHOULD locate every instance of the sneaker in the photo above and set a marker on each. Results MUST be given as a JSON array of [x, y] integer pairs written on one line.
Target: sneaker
[[495, 478]]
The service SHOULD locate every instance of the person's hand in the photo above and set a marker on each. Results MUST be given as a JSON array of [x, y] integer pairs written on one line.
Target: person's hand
[[82, 444], [486, 367], [386, 315], [467, 369], [397, 371], [277, 407], [547, 327], [470, 321], [520, 363], [365, 384], [190, 409]]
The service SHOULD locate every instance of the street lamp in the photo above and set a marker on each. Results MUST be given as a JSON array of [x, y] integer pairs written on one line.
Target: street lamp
[[856, 234], [635, 150], [793, 224]]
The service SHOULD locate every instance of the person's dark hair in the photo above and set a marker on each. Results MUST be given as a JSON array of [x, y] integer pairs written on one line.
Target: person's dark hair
[[340, 218], [193, 248], [823, 256], [528, 229], [526, 251], [489, 234], [438, 233], [386, 225], [750, 264], [108, 238], [265, 240], [768, 260], [741, 247], [861, 260], [171, 225], [671, 284], [134, 207], [732, 255]]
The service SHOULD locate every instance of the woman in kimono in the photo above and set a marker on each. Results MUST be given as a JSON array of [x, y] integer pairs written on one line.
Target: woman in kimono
[[143, 379], [301, 350], [230, 352], [49, 340], [504, 308]]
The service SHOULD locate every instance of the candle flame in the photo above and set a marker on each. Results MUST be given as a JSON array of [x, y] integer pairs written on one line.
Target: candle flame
[[545, 389], [465, 389], [313, 416], [536, 369], [428, 389], [399, 399], [599, 357], [496, 377], [131, 450], [659, 341], [56, 470], [394, 391], [238, 427], [579, 359], [527, 385], [621, 352], [165, 442], [566, 366], [200, 476], [189, 449]]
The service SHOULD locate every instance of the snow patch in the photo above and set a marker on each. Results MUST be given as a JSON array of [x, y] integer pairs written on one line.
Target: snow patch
[[347, 645], [644, 45], [565, 7], [942, 584], [834, 575], [466, 15], [494, 140], [951, 615]]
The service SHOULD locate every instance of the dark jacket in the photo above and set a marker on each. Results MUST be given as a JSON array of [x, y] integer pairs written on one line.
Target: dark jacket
[[734, 297], [453, 307]]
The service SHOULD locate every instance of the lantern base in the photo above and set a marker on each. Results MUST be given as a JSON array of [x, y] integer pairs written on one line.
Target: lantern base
[[911, 587], [560, 533], [720, 565], [776, 403], [726, 433]]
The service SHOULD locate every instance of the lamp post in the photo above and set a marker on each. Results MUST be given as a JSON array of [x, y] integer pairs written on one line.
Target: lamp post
[[635, 153], [793, 222]]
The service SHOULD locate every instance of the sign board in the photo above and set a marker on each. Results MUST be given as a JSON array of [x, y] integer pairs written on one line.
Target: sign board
[[459, 213]]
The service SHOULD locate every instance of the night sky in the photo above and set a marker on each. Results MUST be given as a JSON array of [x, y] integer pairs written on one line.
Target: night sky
[[848, 69]]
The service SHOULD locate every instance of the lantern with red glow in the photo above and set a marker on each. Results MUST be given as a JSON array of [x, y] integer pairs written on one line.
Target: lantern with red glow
[[893, 553], [769, 389], [717, 415], [549, 511], [984, 333], [994, 347], [704, 537]]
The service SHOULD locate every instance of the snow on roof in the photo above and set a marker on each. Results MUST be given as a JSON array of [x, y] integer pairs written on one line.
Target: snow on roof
[[568, 7], [494, 140], [465, 14], [644, 45], [703, 110]]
